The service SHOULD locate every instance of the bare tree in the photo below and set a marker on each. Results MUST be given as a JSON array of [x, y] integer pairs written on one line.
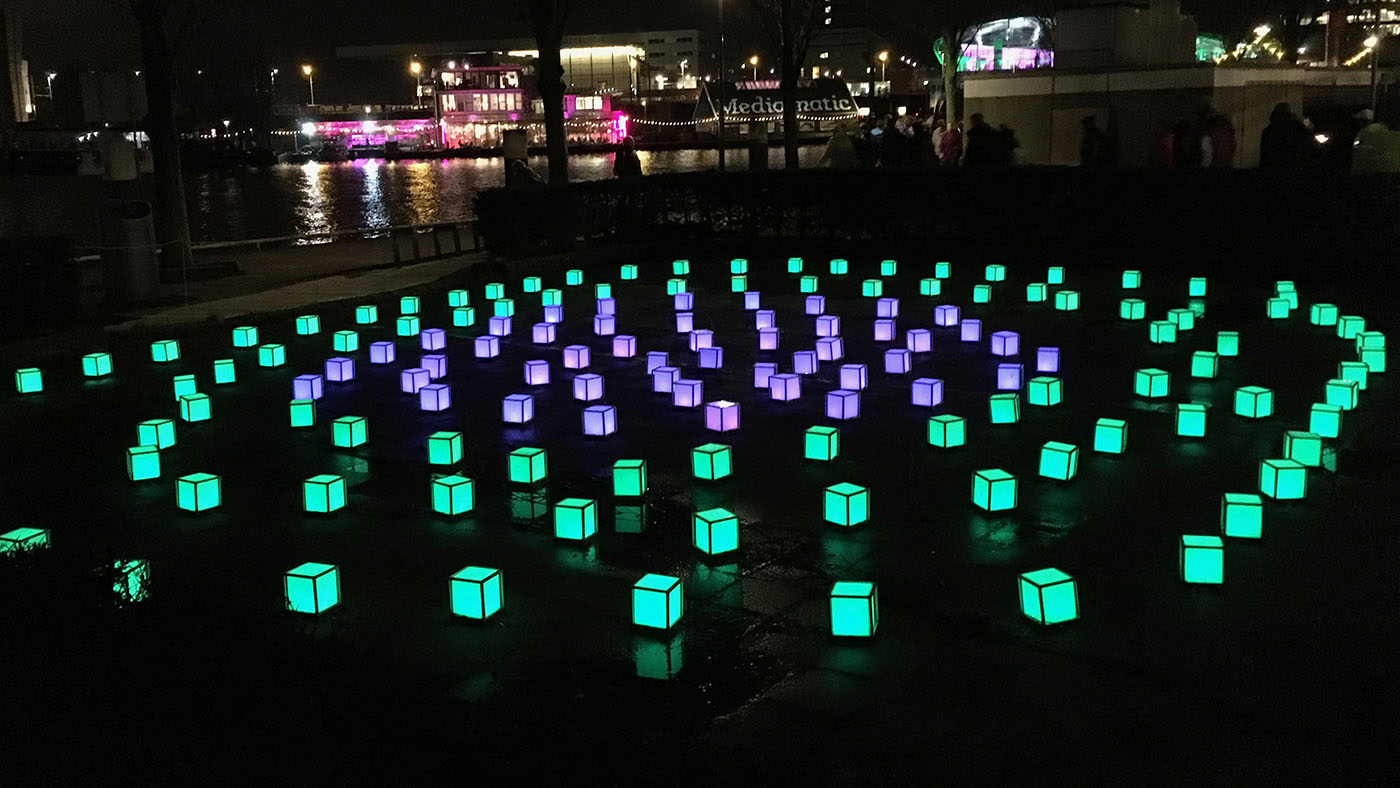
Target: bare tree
[[547, 20], [788, 26]]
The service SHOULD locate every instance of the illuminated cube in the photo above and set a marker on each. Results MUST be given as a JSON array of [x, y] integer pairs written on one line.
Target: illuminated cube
[[1132, 280], [855, 609], [680, 267], [926, 392], [685, 322], [918, 340], [872, 288], [674, 286], [830, 349], [768, 339], [341, 341], [275, 355], [762, 372], [308, 325], [1303, 447], [846, 504], [930, 287], [853, 377], [588, 387], [133, 579], [821, 443], [657, 601], [433, 339], [245, 336], [1067, 300], [711, 461], [1227, 343], [1059, 460], [1202, 559], [715, 531], [195, 407], [476, 592], [340, 369], [884, 330], [553, 314], [687, 393], [624, 346], [942, 270], [224, 371], [842, 404], [435, 363], [785, 387], [599, 420], [184, 384], [408, 305], [701, 338], [711, 357], [1044, 391], [412, 381], [1323, 314], [445, 448], [367, 314], [542, 333], [1254, 402], [1369, 339], [721, 415], [1004, 408], [406, 325], [517, 408], [1047, 359], [142, 463], [453, 495], [995, 273], [312, 588], [1277, 308], [1132, 309], [1048, 596], [898, 361], [887, 307], [804, 362], [1162, 332], [435, 397], [156, 432], [527, 465], [627, 272], [347, 432], [1191, 420], [602, 291], [306, 387], [1055, 275], [323, 494], [96, 365], [1204, 364], [1343, 393], [495, 291], [464, 317], [1006, 343], [22, 539], [888, 267], [604, 325], [840, 266], [994, 490], [458, 298], [536, 372], [794, 265], [738, 284], [575, 518], [738, 266], [655, 359], [765, 318], [1325, 419], [981, 294], [486, 346], [970, 330], [1152, 383], [198, 492], [1196, 288], [828, 326], [1111, 436], [498, 326], [165, 350], [663, 379], [1373, 358], [302, 413], [1037, 292], [945, 315], [946, 431], [1283, 480], [629, 478], [1353, 370], [1009, 377], [1241, 515]]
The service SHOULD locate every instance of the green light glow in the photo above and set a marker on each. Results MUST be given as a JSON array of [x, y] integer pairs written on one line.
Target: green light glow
[[195, 407], [1185, 319], [627, 273], [1037, 292], [445, 448], [1191, 420], [711, 461], [96, 365], [1067, 300], [1132, 280], [680, 268], [575, 518], [133, 583], [1349, 326], [503, 307], [323, 494], [312, 588], [1277, 308], [1111, 436], [1323, 314], [1162, 332], [995, 273], [573, 277], [602, 290], [458, 298], [715, 531], [1227, 343], [629, 478], [1354, 370], [794, 265], [1045, 391], [807, 284], [1283, 480], [942, 270], [272, 355], [1373, 358], [551, 297], [1325, 419], [1049, 596], [1254, 402], [346, 341], [464, 317], [530, 284], [1059, 461], [453, 495], [738, 266], [1343, 393], [1196, 288], [303, 412], [165, 350], [199, 492], [889, 267], [476, 592], [527, 465], [1151, 383], [657, 601], [846, 504], [872, 288], [1241, 516], [1205, 364], [674, 286], [821, 443], [1005, 408], [245, 336], [1202, 559], [142, 463], [366, 314], [185, 384], [840, 267], [407, 326], [994, 490], [1303, 447], [947, 431], [738, 284], [1055, 275], [855, 609], [981, 294], [21, 539], [156, 432], [225, 371], [307, 325], [1132, 309], [347, 432]]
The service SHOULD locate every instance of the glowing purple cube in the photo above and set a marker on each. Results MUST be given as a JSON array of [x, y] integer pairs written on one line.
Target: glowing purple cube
[[663, 379], [721, 415], [554, 313], [751, 300], [436, 338], [815, 304], [804, 362], [576, 357], [487, 347], [542, 333], [412, 380], [687, 393], [828, 326], [599, 420], [853, 376], [926, 392], [1009, 377], [884, 330], [624, 346], [537, 372], [887, 307], [762, 372], [517, 408], [306, 387], [381, 353], [768, 339], [842, 404], [685, 322], [711, 357], [1047, 359], [606, 306], [498, 326], [435, 397], [684, 302], [588, 387], [918, 340], [435, 363], [971, 330], [785, 387], [898, 361], [340, 369], [1006, 343], [830, 349], [656, 358], [945, 315], [764, 318], [702, 338], [604, 325]]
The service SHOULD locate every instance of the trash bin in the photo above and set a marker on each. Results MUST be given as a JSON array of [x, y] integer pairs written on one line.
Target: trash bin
[[130, 266]]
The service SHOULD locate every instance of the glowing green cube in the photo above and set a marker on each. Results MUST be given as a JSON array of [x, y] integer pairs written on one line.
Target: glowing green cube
[[225, 371], [1196, 288], [1049, 596], [312, 588], [1323, 314], [346, 341], [409, 305], [1283, 480], [272, 355], [1132, 280], [627, 272], [165, 350], [530, 284], [308, 325], [1185, 319], [1254, 402], [1151, 382], [29, 380], [821, 443], [794, 265], [807, 284], [464, 317], [573, 277], [1067, 300], [245, 336], [199, 492], [575, 518], [21, 539], [527, 465], [347, 432], [407, 326], [846, 504], [981, 294], [1191, 420], [133, 583], [1373, 358], [445, 448], [1241, 515], [657, 601], [888, 267], [738, 284], [1202, 559], [1005, 408], [1055, 275], [452, 495], [1354, 370], [1325, 419], [1303, 447], [1227, 343], [1111, 436], [495, 290], [947, 431], [302, 412], [142, 463], [1045, 391], [855, 609], [1161, 332], [1036, 292], [1204, 364], [680, 268], [194, 407], [476, 592], [96, 365], [184, 384], [1059, 460], [872, 288], [1369, 339], [551, 297], [738, 266], [711, 461], [1343, 393], [629, 478], [715, 531], [1132, 309], [840, 266], [458, 298], [942, 270], [1277, 308], [367, 314], [674, 286], [156, 432], [994, 490], [503, 307], [323, 494]]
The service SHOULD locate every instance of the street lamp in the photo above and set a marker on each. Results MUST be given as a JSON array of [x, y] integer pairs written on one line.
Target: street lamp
[[273, 75], [753, 61], [50, 75], [416, 69], [226, 124], [311, 81], [884, 57], [1373, 44]]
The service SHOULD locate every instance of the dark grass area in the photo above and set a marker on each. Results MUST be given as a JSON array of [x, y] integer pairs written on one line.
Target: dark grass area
[[1284, 675]]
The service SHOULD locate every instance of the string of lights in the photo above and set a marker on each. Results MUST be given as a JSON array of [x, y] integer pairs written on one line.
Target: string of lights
[[741, 119]]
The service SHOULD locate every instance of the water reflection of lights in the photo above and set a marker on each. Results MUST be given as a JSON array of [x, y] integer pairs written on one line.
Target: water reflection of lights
[[373, 209], [313, 202]]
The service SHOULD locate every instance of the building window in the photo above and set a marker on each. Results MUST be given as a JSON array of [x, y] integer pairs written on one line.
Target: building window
[[685, 52], [656, 40], [685, 39], [656, 54], [588, 102]]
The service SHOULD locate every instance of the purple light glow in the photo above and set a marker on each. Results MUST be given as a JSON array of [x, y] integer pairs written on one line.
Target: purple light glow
[[606, 306], [721, 416], [701, 338], [340, 370], [554, 313], [945, 315], [576, 357], [537, 372], [830, 349], [971, 330], [306, 387], [898, 361], [785, 387], [1047, 359], [588, 387], [853, 376], [498, 326], [624, 346], [762, 372], [663, 379], [1006, 343], [815, 304], [685, 322], [842, 404], [751, 300], [687, 393], [542, 333], [926, 392], [804, 362], [1009, 377], [828, 326], [918, 340], [412, 380], [887, 307], [764, 318], [435, 363], [884, 330], [768, 339], [381, 353], [435, 397], [604, 325], [487, 347], [517, 408], [684, 302], [656, 358], [711, 357], [599, 420], [436, 338]]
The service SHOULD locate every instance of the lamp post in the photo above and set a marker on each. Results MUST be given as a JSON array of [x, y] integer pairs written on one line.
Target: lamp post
[[1373, 43], [720, 110], [884, 58], [753, 61], [310, 81], [273, 75], [49, 76], [416, 69]]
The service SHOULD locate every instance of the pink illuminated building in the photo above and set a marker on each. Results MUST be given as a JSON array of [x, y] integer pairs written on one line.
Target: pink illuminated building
[[477, 104]]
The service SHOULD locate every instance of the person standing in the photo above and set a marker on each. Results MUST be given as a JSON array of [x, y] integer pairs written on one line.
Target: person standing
[[626, 164], [1093, 146], [1284, 142], [952, 153], [981, 143]]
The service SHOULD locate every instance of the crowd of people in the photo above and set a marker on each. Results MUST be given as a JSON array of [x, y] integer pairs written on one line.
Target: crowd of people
[[920, 141]]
